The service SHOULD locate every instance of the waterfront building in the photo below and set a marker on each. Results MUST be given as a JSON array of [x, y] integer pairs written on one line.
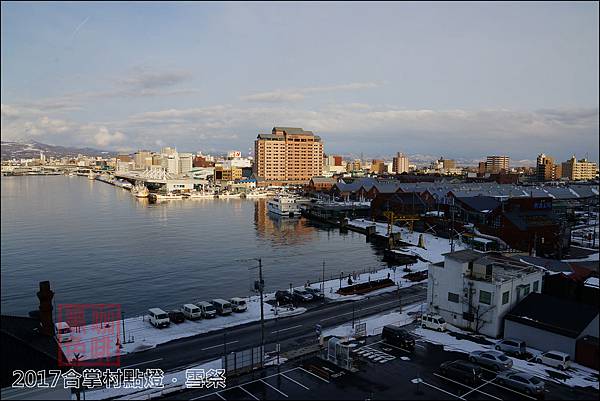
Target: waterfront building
[[474, 291], [400, 162], [288, 154], [582, 169], [227, 172]]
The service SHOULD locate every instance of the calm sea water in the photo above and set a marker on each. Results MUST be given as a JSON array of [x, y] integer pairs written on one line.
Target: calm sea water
[[98, 244]]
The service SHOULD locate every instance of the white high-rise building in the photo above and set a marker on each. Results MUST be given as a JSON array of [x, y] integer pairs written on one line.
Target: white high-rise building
[[185, 163]]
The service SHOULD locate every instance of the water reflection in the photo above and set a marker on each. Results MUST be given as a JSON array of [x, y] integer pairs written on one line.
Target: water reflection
[[278, 229]]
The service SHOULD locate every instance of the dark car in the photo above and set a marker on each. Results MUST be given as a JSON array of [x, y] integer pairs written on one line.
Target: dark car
[[398, 337], [176, 316], [464, 371], [315, 292], [302, 296], [283, 297]]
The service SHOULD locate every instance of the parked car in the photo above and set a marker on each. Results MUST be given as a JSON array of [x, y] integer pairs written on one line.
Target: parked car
[[176, 316], [238, 304], [284, 297], [521, 381], [556, 359], [434, 322], [512, 346], [191, 312], [302, 296], [63, 332], [223, 307], [315, 292], [398, 337], [495, 360], [207, 309], [461, 370], [158, 317]]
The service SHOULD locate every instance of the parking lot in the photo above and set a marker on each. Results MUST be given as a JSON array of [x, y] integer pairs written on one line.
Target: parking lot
[[384, 372], [293, 383]]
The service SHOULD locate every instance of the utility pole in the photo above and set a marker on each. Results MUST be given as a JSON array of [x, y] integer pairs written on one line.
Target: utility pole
[[123, 320], [260, 286], [452, 229]]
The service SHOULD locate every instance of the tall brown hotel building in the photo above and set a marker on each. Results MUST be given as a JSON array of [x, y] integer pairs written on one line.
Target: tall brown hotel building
[[288, 154]]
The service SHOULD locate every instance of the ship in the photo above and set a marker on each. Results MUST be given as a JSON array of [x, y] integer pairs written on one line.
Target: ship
[[140, 191], [284, 205]]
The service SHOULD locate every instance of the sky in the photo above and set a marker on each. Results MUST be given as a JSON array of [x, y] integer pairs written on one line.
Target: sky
[[459, 80]]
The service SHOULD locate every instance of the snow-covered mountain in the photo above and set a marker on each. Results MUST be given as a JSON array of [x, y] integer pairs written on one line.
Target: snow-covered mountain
[[32, 149]]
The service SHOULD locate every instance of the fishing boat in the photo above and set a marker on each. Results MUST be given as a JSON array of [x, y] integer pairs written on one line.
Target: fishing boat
[[91, 175], [201, 195], [227, 195], [168, 196], [140, 191]]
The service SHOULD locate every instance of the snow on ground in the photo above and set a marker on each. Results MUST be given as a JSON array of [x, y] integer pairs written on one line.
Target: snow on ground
[[172, 382], [147, 336], [375, 323], [331, 286], [576, 376], [435, 246]]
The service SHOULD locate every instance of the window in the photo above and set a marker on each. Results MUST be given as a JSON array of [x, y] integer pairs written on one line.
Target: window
[[536, 285], [485, 297], [453, 297], [505, 297]]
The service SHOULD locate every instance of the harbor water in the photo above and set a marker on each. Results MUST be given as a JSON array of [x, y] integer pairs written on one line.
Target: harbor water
[[96, 243]]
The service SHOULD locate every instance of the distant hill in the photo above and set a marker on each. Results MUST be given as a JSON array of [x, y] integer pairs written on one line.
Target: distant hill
[[32, 149]]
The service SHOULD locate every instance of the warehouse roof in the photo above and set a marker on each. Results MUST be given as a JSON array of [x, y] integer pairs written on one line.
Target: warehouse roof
[[553, 314]]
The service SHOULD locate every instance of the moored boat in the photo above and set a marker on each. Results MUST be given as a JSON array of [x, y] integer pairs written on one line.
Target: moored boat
[[284, 205]]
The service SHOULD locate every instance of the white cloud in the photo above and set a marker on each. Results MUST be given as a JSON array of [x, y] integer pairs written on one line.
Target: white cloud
[[294, 95], [103, 138], [344, 128]]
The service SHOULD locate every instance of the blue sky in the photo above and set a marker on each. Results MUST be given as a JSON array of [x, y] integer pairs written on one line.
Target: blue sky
[[452, 79]]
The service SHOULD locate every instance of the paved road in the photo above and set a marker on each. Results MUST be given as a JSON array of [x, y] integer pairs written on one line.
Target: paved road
[[390, 378], [293, 332]]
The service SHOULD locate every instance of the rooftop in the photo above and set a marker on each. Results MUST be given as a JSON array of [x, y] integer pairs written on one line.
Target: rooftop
[[553, 314]]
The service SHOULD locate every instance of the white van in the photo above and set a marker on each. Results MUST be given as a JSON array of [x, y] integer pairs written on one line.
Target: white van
[[223, 307], [191, 312], [556, 359], [158, 317], [238, 304], [63, 332], [434, 322], [208, 311]]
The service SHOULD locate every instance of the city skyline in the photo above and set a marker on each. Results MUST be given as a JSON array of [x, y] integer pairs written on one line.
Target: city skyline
[[433, 84]]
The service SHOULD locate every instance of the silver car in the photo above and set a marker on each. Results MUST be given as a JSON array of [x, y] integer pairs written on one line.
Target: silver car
[[512, 346], [495, 360], [521, 381]]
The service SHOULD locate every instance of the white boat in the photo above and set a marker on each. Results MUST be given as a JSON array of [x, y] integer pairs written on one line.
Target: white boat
[[227, 195], [201, 195], [284, 205], [123, 184], [140, 191], [168, 196], [92, 175], [256, 194]]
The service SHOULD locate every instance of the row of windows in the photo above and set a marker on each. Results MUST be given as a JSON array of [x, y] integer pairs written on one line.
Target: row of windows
[[485, 297]]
